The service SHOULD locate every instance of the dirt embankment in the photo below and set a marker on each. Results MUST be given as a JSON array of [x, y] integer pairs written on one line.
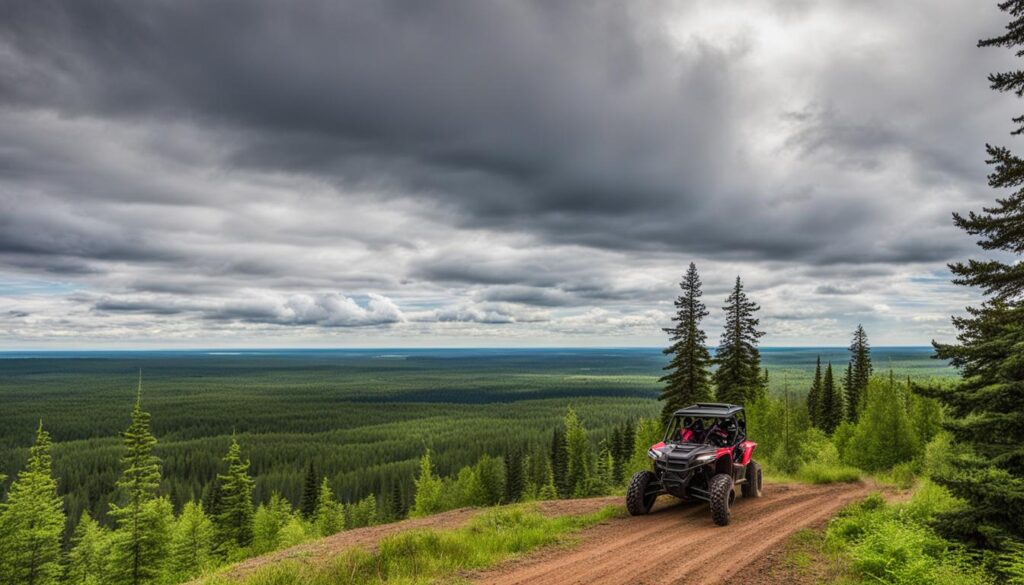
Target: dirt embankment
[[676, 543], [367, 538]]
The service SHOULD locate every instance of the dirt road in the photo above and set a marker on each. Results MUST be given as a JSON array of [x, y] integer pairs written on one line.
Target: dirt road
[[678, 543]]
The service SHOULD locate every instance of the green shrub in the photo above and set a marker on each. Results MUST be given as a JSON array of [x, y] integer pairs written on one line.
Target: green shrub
[[902, 475], [929, 500], [938, 456], [909, 554], [1011, 562], [841, 438], [883, 435], [825, 473], [892, 544]]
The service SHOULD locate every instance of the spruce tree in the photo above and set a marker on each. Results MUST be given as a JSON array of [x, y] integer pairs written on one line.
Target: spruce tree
[[362, 513], [831, 403], [858, 373], [31, 521], [738, 377], [514, 475], [269, 523], [234, 520], [986, 408], [490, 472], [139, 545], [329, 517], [688, 379], [560, 463], [310, 491], [397, 501], [88, 555], [814, 396], [578, 456], [192, 542], [429, 497]]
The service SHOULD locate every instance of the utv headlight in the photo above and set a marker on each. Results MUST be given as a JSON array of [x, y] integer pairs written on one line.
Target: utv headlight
[[702, 459], [653, 454]]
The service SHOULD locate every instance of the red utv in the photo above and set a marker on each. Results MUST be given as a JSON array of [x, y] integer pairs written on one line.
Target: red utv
[[704, 456]]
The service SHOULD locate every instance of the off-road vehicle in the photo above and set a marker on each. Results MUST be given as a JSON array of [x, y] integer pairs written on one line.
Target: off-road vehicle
[[704, 456]]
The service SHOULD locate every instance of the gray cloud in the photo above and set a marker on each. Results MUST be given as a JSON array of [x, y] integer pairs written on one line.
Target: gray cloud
[[248, 164]]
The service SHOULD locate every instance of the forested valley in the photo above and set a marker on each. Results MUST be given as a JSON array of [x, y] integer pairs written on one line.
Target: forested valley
[[218, 486]]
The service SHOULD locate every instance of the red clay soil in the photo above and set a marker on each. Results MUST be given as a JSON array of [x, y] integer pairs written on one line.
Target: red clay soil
[[367, 538], [678, 543]]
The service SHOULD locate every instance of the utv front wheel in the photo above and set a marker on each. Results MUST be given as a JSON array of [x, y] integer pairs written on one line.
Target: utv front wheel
[[722, 496], [641, 493], [752, 488]]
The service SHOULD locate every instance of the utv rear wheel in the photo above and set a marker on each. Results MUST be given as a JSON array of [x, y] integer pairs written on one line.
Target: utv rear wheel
[[752, 488], [641, 493], [722, 496]]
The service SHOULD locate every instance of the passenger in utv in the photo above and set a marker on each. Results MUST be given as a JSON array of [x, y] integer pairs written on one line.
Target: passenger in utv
[[717, 434], [686, 433]]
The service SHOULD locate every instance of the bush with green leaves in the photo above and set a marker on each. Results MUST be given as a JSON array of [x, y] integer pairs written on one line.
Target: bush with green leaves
[[883, 435], [894, 545]]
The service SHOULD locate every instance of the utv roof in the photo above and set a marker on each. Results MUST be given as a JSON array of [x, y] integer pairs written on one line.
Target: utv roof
[[709, 409]]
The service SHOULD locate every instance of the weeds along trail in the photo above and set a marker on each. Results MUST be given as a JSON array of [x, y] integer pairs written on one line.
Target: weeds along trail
[[324, 549], [679, 543]]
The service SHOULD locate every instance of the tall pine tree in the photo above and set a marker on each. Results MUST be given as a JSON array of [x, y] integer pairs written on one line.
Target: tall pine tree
[[986, 409], [814, 397], [310, 493], [831, 408], [738, 377], [139, 545], [858, 373], [688, 379], [31, 521], [234, 519]]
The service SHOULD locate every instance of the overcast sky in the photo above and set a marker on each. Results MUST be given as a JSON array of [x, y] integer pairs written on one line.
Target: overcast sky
[[337, 173]]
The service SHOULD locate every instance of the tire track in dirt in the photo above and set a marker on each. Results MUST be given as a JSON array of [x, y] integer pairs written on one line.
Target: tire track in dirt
[[679, 543]]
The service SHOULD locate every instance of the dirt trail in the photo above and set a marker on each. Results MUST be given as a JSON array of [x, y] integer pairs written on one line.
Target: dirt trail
[[678, 543]]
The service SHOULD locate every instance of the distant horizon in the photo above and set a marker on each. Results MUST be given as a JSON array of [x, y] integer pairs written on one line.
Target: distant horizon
[[421, 348]]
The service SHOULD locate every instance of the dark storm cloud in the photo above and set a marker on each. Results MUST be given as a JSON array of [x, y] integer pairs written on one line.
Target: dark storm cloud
[[133, 306], [542, 297], [831, 289], [259, 163], [577, 121]]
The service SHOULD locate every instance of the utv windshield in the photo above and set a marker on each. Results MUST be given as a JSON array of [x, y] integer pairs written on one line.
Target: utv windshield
[[720, 431]]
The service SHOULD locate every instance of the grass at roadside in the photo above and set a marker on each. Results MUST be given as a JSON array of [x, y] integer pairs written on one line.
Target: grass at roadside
[[879, 543], [426, 555], [815, 473], [819, 473]]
